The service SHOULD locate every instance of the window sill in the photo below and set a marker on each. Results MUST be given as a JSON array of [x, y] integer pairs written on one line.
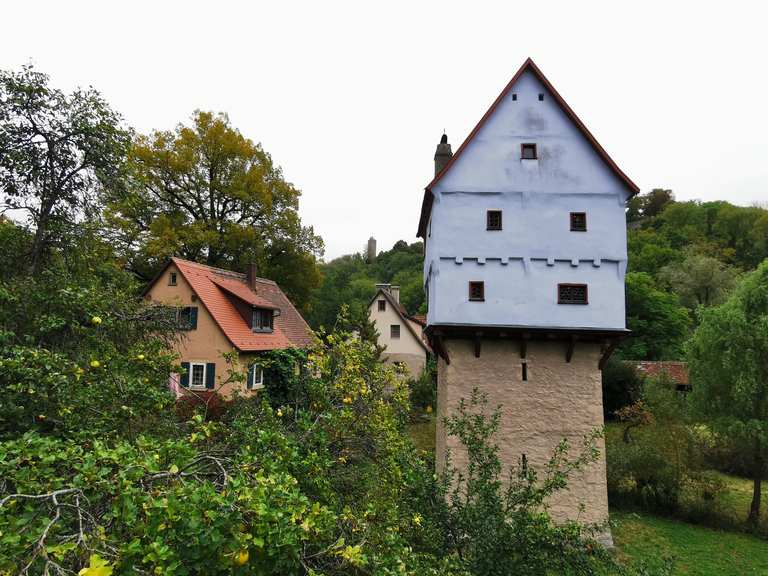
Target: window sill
[[262, 331]]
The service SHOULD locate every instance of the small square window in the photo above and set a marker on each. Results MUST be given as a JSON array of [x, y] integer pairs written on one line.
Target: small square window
[[476, 291], [578, 221], [493, 220], [187, 318], [541, 97], [572, 294], [382, 305], [528, 151], [172, 279], [394, 331]]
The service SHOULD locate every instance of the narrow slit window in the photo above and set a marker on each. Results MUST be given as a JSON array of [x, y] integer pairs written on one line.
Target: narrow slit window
[[524, 369], [528, 151], [394, 331], [382, 305], [514, 97], [493, 220], [541, 97], [477, 291], [578, 221], [572, 294]]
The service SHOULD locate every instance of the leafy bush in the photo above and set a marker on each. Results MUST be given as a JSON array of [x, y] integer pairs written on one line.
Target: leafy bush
[[423, 390], [621, 386], [657, 453], [498, 524]]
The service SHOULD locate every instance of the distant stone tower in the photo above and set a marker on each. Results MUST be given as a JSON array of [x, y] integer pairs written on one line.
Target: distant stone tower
[[371, 249], [525, 256]]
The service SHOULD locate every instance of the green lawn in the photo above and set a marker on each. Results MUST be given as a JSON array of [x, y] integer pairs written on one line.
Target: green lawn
[[423, 434], [696, 550]]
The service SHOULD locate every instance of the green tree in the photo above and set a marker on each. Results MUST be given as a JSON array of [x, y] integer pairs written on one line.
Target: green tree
[[658, 322], [207, 193], [55, 151], [648, 205], [699, 280], [729, 372]]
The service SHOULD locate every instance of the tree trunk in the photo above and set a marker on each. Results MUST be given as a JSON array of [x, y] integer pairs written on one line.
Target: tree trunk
[[754, 509]]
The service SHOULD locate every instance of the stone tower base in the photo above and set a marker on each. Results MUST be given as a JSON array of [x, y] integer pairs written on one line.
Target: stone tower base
[[558, 400]]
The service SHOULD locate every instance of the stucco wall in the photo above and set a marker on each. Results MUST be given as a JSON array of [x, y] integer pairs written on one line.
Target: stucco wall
[[536, 198], [205, 344], [404, 349], [559, 400], [519, 293]]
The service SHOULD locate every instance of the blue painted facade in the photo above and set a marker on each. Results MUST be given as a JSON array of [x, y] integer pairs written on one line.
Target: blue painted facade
[[522, 264]]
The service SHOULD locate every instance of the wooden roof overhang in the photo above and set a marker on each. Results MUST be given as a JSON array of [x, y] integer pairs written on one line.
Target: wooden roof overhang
[[608, 338]]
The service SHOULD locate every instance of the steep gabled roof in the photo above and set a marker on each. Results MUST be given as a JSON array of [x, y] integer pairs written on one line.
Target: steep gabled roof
[[426, 205], [403, 313], [215, 288]]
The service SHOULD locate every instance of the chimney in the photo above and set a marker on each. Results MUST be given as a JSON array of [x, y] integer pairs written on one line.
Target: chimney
[[442, 154], [250, 276], [371, 252], [395, 291]]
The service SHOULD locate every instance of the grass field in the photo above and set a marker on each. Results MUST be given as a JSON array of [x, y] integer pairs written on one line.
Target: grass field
[[695, 550]]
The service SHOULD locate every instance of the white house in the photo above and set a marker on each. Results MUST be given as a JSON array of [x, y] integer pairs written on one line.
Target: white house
[[525, 256], [399, 333]]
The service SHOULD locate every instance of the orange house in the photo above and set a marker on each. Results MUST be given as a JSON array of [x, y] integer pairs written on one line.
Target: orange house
[[223, 311]]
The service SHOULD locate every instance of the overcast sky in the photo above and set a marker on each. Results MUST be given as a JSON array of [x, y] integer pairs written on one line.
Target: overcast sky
[[350, 98]]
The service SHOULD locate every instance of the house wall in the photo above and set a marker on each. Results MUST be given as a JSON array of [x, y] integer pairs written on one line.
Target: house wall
[[560, 400], [205, 344], [404, 349], [536, 249]]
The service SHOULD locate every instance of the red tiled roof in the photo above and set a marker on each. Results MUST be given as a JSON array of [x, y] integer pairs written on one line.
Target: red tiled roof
[[426, 205], [212, 286], [676, 371], [419, 319]]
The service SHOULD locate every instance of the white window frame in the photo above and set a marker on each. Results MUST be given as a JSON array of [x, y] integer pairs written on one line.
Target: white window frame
[[192, 372], [260, 384]]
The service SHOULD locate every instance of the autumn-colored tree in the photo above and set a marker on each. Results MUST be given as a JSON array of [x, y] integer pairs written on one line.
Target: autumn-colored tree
[[207, 193]]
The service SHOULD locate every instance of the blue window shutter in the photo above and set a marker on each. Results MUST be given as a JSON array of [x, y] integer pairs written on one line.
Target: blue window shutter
[[193, 318], [249, 382], [210, 375], [184, 380]]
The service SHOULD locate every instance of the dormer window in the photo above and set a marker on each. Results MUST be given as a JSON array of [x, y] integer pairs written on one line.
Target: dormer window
[[528, 152], [493, 220], [172, 279], [262, 320]]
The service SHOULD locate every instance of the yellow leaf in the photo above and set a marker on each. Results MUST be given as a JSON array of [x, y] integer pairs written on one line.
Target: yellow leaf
[[98, 567]]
